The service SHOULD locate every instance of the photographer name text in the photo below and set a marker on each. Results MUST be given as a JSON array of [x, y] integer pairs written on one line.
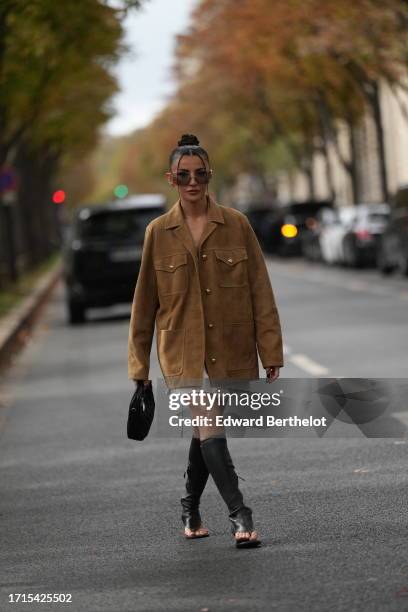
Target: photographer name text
[[260, 421]]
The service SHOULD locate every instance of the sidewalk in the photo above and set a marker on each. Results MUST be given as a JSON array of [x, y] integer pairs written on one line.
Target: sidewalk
[[15, 326]]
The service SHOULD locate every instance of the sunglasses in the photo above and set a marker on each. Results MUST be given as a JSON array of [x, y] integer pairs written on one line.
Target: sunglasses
[[183, 177]]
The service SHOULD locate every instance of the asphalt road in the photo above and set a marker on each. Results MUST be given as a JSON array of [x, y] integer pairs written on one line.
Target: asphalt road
[[86, 511]]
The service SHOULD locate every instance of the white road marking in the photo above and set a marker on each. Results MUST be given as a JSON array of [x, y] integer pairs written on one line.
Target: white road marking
[[402, 417], [308, 365], [286, 349]]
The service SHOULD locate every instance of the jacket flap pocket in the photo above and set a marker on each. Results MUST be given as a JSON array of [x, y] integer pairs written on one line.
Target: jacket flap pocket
[[171, 262], [231, 256]]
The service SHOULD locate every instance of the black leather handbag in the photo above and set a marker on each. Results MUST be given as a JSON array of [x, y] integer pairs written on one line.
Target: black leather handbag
[[141, 412]]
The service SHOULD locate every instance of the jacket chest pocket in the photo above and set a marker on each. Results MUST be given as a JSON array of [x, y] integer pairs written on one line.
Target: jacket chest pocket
[[231, 267], [171, 274]]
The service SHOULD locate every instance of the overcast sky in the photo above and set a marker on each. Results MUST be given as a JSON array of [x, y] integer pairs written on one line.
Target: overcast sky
[[144, 76]]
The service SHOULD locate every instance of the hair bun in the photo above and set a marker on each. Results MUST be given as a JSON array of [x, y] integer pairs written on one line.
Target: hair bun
[[188, 139]]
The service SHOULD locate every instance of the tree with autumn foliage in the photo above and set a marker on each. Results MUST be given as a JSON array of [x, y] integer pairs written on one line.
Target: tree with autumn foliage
[[55, 83], [269, 85]]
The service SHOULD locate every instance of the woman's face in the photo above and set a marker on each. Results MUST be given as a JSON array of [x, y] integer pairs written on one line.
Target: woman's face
[[193, 192]]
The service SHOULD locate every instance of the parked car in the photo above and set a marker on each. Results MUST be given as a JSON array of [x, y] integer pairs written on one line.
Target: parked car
[[311, 248], [351, 236], [392, 253], [102, 254], [361, 240], [332, 231], [293, 223]]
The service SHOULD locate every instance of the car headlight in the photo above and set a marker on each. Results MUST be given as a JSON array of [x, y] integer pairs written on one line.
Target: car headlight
[[288, 230]]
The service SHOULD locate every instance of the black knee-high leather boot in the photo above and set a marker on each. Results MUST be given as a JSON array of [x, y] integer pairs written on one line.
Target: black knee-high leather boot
[[197, 476], [218, 460]]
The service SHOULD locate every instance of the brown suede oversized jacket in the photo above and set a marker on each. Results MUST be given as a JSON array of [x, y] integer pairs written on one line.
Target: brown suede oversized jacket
[[212, 305]]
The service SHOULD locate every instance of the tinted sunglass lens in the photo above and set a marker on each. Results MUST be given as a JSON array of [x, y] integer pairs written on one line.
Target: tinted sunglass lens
[[183, 178], [202, 177]]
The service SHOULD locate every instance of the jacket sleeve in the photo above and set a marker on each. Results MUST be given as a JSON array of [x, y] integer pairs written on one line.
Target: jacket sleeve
[[143, 314], [267, 323]]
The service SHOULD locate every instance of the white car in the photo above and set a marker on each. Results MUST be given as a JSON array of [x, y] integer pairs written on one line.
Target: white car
[[350, 232], [334, 226]]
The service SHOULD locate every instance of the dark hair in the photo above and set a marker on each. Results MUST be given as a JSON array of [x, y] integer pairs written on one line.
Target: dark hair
[[188, 145]]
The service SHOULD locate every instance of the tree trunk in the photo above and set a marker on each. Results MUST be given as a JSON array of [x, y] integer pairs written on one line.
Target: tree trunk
[[36, 170], [379, 128], [329, 174], [308, 171], [370, 91], [325, 139], [330, 128], [353, 170]]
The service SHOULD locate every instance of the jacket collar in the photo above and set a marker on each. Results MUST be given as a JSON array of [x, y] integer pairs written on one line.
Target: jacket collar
[[175, 216]]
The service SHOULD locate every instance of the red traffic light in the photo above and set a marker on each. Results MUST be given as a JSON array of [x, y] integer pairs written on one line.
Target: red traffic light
[[58, 197]]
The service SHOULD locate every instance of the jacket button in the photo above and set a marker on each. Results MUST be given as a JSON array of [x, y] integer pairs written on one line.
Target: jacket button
[[208, 290], [213, 360], [171, 266], [210, 325], [204, 256]]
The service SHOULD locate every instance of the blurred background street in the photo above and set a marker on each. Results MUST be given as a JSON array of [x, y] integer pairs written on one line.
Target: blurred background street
[[84, 510]]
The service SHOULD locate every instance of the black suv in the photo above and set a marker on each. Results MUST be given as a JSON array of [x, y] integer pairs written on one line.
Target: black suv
[[392, 253], [103, 250]]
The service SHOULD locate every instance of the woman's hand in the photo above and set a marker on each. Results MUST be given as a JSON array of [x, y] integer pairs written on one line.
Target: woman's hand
[[272, 373]]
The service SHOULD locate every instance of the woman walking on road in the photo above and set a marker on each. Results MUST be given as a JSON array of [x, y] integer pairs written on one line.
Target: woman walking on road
[[204, 283]]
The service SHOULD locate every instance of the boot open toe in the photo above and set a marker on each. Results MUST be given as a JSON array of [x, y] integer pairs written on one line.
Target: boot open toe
[[241, 523], [199, 532], [220, 465], [197, 476]]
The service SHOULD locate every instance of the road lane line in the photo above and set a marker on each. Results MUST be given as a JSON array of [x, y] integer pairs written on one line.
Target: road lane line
[[308, 365], [286, 349], [402, 417]]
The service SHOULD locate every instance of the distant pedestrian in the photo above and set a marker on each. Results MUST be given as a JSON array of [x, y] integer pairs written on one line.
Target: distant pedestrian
[[204, 283]]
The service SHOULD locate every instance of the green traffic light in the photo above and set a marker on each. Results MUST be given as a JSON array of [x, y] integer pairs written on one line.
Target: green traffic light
[[121, 191]]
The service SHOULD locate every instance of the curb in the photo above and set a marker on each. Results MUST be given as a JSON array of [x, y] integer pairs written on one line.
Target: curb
[[15, 325]]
